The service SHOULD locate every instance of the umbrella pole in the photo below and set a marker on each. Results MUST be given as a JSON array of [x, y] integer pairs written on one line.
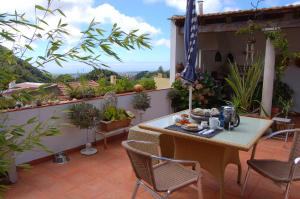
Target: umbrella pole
[[190, 99]]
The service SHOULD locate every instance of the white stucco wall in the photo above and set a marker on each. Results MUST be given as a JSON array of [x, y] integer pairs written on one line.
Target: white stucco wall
[[71, 136], [292, 78]]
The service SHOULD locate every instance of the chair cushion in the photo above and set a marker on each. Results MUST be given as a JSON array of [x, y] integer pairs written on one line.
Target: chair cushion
[[277, 171], [172, 176]]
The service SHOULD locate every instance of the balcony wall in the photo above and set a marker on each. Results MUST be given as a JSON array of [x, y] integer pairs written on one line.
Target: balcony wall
[[71, 136]]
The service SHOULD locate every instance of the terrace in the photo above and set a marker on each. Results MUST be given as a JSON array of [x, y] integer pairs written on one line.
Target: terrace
[[107, 173]]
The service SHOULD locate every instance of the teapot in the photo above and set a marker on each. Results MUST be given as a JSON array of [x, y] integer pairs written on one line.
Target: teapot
[[230, 117]]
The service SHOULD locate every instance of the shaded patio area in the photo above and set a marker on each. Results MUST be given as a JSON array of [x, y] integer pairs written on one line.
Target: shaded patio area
[[108, 175]]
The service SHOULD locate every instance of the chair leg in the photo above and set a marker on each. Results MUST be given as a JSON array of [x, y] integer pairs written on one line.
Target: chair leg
[[287, 190], [137, 185], [286, 137], [199, 188], [245, 182], [239, 174], [167, 195]]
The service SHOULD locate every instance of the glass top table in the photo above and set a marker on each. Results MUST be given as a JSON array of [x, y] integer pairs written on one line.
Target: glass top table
[[242, 137]]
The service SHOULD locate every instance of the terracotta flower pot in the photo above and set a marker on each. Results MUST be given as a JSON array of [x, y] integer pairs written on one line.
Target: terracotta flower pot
[[275, 110], [138, 88], [113, 125]]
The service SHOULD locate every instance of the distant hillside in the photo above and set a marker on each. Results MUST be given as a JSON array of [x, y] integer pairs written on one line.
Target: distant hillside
[[24, 71], [100, 73], [150, 74]]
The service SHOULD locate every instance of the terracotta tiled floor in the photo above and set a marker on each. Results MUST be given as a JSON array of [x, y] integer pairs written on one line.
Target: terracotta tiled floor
[[108, 175]]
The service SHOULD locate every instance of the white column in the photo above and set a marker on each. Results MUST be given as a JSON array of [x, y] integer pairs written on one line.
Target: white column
[[200, 60], [176, 50], [173, 52], [268, 79]]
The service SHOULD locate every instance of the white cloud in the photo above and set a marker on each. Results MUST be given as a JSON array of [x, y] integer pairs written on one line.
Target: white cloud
[[79, 13], [106, 13], [226, 9], [296, 3], [162, 42], [210, 6]]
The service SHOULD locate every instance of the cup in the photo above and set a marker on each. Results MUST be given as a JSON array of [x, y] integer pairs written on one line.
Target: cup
[[214, 123], [204, 124]]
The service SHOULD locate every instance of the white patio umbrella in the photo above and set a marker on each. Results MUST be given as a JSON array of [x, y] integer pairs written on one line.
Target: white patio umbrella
[[191, 29]]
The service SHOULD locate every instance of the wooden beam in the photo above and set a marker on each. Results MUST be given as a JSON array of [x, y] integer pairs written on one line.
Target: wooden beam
[[231, 27]]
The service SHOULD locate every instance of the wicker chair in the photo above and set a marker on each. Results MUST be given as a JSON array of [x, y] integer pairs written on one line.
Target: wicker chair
[[163, 178], [280, 172]]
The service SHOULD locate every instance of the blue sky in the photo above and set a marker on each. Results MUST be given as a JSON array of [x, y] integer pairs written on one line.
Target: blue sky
[[150, 16]]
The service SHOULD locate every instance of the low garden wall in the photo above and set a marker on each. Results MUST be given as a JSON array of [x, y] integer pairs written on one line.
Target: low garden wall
[[71, 136]]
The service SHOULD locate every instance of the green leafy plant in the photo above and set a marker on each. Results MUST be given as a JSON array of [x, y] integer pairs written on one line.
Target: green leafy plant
[[147, 83], [14, 138], [244, 86], [7, 102], [112, 113], [84, 115], [141, 101], [206, 93], [64, 78], [286, 106], [80, 92], [282, 94], [124, 85]]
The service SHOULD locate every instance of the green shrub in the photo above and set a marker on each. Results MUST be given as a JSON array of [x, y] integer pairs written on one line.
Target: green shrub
[[7, 103], [112, 113], [124, 85], [147, 83], [104, 87], [141, 101], [84, 115]]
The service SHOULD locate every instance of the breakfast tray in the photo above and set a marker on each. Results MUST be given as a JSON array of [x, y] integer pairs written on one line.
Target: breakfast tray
[[178, 128]]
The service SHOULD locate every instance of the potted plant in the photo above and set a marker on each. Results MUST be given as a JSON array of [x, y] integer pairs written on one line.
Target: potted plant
[[85, 116], [114, 118], [141, 102], [282, 92], [286, 106]]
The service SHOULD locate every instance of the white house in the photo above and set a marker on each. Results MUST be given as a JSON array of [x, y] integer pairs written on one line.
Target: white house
[[218, 35]]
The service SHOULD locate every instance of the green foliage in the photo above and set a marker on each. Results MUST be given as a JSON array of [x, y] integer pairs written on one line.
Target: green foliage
[[147, 83], [20, 70], [244, 86], [7, 103], [124, 85], [84, 115], [282, 94], [179, 96], [14, 138], [98, 73], [80, 92], [250, 29], [285, 105], [112, 113], [6, 76], [206, 93], [141, 101], [64, 78], [148, 74]]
